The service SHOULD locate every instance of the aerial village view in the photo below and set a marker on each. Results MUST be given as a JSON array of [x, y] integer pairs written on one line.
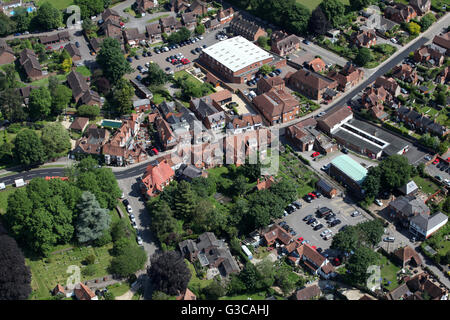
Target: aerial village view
[[224, 150]]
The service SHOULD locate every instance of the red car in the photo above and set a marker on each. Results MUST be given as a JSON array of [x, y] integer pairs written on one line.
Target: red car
[[314, 247], [312, 195], [121, 24], [300, 239], [155, 151], [315, 154], [49, 48], [436, 161]]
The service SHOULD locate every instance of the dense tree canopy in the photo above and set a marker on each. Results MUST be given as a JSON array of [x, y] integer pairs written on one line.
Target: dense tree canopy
[[40, 102], [363, 57], [319, 24], [47, 17], [169, 273], [28, 148], [112, 61], [55, 139], [334, 10], [359, 263], [90, 8], [15, 276], [130, 260]]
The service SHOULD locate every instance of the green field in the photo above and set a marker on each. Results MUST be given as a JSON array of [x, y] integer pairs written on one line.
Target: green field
[[119, 289], [58, 4], [312, 4]]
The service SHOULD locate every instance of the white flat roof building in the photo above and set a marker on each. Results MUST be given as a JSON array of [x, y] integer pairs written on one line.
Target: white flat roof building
[[236, 53]]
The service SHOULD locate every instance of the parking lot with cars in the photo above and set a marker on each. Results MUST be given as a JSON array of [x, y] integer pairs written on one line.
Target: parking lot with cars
[[305, 221], [440, 169]]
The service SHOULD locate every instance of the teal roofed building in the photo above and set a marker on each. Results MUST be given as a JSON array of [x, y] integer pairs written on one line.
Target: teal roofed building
[[348, 172]]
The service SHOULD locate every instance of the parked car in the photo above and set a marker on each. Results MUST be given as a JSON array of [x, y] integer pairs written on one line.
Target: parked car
[[335, 222], [325, 168], [344, 150], [315, 223], [129, 209], [328, 236], [297, 204], [356, 213], [138, 77], [282, 223], [318, 227], [315, 154], [436, 161], [139, 240], [378, 202], [286, 227], [309, 216], [306, 42], [311, 220], [308, 199], [122, 195], [129, 59], [132, 218], [330, 216], [289, 209], [125, 202], [389, 239], [325, 232], [323, 211]]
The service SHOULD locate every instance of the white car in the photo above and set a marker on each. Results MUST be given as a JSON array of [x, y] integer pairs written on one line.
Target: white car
[[378, 202], [393, 40], [132, 218], [129, 209], [139, 240], [200, 37], [122, 196], [356, 213], [325, 232], [315, 223]]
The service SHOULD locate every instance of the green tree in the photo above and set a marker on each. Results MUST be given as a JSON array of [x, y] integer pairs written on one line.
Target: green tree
[[200, 29], [90, 8], [372, 182], [28, 148], [239, 186], [363, 57], [7, 26], [373, 230], [263, 42], [413, 28], [427, 20], [430, 141], [359, 4], [156, 76], [214, 290], [396, 172], [184, 201], [109, 296], [334, 10], [112, 60], [249, 277], [163, 222], [266, 69], [122, 94], [47, 17], [89, 270], [55, 139], [358, 264], [89, 27], [40, 102], [319, 24], [346, 240], [92, 219], [22, 19], [159, 295], [88, 111]]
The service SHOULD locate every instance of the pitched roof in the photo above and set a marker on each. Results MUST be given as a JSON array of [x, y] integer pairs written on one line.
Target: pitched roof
[[79, 123], [156, 175], [220, 95], [443, 40], [409, 187], [168, 21], [188, 17], [350, 167], [77, 83], [426, 222], [308, 293], [276, 102], [335, 116], [410, 206], [407, 253], [311, 254], [82, 292], [317, 64], [312, 79], [72, 50], [277, 233]]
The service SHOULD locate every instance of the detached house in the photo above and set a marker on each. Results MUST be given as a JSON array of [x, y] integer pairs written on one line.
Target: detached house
[[246, 28], [406, 207], [154, 31], [314, 261], [400, 12], [423, 226], [277, 106], [211, 253], [364, 38], [348, 77], [419, 287], [157, 176], [6, 53], [80, 89], [110, 15], [30, 64], [93, 141], [311, 84], [73, 51], [284, 44], [112, 29], [189, 20]]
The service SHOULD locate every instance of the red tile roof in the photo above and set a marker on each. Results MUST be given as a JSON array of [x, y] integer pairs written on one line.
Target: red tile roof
[[156, 177], [82, 292]]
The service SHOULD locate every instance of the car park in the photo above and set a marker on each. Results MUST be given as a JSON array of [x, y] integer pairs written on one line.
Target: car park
[[297, 204], [330, 216], [139, 68], [328, 236], [311, 220]]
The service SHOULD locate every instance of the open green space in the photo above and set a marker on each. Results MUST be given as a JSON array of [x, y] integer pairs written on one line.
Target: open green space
[[48, 272], [119, 289], [195, 281], [58, 4], [312, 4], [44, 81], [254, 296]]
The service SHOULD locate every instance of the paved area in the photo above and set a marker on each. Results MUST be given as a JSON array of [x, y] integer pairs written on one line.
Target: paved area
[[343, 207], [441, 169], [326, 55]]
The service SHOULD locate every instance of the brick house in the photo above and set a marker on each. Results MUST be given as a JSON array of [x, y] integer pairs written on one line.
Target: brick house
[[225, 16], [277, 234], [169, 24], [246, 28], [243, 123], [157, 176], [198, 8], [141, 105], [417, 287], [143, 5], [310, 84], [430, 54], [92, 141], [406, 73], [443, 40], [189, 20], [364, 38], [284, 44], [154, 31], [308, 293], [407, 255], [306, 137], [211, 117], [418, 121], [6, 53], [80, 89], [444, 76], [277, 106], [389, 84], [314, 261], [317, 65], [79, 124], [111, 29], [30, 64], [400, 12], [96, 44], [348, 77], [334, 119], [179, 6], [266, 84], [73, 51], [165, 133], [132, 36], [111, 15]]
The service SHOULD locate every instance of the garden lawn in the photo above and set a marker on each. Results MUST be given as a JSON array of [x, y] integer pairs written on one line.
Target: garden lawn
[[312, 4], [158, 98], [44, 81], [48, 272], [158, 17], [426, 185], [84, 71], [388, 273], [195, 281], [58, 4], [119, 289]]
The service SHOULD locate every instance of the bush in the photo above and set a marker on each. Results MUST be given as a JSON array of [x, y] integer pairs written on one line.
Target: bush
[[90, 270], [14, 128], [109, 296], [90, 259]]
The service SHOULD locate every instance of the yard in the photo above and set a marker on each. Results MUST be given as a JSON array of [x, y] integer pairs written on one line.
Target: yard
[[388, 273], [58, 4], [84, 71], [426, 185], [292, 169], [119, 289], [196, 284]]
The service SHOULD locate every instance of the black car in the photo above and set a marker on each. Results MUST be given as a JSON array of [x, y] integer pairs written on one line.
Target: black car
[[282, 223], [297, 204], [149, 54], [311, 220], [335, 222], [330, 216], [318, 227], [157, 51], [323, 211], [344, 150], [125, 202], [289, 209], [286, 227], [309, 216], [144, 54], [198, 49], [136, 57], [167, 69], [308, 199], [168, 59], [319, 250], [193, 51], [77, 44]]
